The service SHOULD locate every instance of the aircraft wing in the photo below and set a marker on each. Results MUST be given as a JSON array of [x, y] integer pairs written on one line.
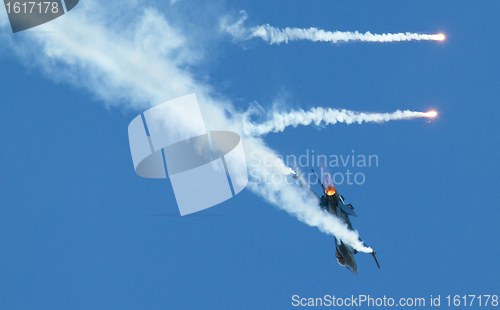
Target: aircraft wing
[[348, 210]]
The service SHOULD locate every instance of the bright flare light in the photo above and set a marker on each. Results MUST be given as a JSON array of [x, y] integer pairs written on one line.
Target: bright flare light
[[439, 37], [431, 114]]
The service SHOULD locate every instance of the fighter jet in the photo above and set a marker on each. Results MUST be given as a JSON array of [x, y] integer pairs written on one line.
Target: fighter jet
[[334, 204]]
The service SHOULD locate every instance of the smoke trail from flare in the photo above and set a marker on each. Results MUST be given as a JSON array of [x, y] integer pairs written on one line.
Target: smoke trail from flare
[[316, 116], [276, 36]]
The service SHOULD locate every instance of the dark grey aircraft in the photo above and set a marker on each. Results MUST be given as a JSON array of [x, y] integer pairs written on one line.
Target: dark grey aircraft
[[334, 204]]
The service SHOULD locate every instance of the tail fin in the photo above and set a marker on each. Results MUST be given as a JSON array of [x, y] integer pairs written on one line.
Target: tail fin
[[317, 178], [303, 185]]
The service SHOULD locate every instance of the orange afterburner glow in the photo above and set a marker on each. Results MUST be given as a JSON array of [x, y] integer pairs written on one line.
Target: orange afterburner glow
[[431, 114], [330, 191]]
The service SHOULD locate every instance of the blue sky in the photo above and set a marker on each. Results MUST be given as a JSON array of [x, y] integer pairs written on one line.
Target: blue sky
[[79, 229]]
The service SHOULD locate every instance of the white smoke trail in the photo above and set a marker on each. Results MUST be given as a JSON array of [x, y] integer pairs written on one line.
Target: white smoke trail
[[275, 35], [316, 116], [146, 63]]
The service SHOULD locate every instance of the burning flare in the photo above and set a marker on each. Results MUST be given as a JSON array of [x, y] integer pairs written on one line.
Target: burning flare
[[431, 114], [439, 37]]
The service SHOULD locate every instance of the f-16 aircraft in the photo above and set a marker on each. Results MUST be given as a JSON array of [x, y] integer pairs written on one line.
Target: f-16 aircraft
[[333, 203]]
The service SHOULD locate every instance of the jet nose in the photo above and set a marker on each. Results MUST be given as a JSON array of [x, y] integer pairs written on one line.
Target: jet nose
[[348, 255], [353, 269], [351, 265]]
